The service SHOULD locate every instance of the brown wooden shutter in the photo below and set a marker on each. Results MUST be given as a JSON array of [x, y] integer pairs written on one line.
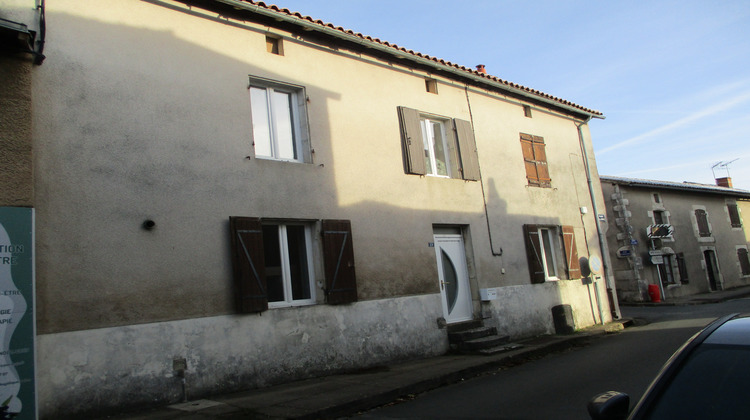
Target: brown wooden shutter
[[571, 252], [527, 148], [338, 253], [702, 219], [248, 264], [454, 156], [411, 141], [540, 156], [534, 253], [468, 149]]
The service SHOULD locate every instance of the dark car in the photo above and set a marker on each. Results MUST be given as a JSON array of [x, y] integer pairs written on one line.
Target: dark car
[[707, 378]]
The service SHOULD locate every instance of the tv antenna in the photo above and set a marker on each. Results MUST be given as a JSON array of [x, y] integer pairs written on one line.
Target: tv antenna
[[722, 165]]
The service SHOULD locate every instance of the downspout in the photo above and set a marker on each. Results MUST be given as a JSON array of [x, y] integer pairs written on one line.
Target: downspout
[[602, 239], [481, 184]]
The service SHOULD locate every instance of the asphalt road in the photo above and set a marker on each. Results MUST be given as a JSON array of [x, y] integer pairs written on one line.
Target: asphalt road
[[559, 385]]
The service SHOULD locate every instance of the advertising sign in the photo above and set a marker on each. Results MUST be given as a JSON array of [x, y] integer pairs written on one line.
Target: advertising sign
[[17, 384]]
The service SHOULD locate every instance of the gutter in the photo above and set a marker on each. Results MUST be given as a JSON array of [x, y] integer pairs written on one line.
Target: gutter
[[311, 26], [693, 188], [602, 238]]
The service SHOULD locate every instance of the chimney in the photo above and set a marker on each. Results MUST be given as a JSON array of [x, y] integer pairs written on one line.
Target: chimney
[[481, 69], [724, 182]]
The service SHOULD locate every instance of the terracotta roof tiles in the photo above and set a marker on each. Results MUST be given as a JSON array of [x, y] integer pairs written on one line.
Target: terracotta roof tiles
[[441, 61]]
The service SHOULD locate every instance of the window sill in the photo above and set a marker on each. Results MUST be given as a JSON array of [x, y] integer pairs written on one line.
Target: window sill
[[273, 159], [287, 305]]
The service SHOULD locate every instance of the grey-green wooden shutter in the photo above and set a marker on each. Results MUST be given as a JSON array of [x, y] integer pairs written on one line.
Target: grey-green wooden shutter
[[338, 255], [534, 253], [571, 252], [411, 141], [701, 218], [468, 149], [734, 215], [248, 263]]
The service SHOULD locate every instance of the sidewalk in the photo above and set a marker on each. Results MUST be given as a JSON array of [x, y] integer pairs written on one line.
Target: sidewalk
[[710, 297], [346, 394]]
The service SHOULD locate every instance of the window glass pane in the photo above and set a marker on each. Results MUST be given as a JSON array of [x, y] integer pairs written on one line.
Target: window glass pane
[[658, 217], [426, 140], [281, 102], [260, 120], [549, 260], [441, 157], [298, 264], [272, 250]]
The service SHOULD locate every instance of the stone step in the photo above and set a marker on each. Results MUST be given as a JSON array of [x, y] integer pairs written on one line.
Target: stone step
[[483, 342], [467, 325], [471, 334], [498, 349]]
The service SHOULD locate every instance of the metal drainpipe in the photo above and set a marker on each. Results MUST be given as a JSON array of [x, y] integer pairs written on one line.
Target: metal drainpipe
[[602, 238]]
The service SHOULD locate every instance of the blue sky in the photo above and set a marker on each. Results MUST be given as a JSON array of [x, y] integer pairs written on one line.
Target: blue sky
[[671, 77]]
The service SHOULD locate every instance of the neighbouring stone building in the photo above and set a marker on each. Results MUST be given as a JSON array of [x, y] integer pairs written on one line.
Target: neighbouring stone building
[[676, 238], [239, 195]]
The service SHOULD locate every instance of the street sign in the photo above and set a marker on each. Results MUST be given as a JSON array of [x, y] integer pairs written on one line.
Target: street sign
[[659, 231]]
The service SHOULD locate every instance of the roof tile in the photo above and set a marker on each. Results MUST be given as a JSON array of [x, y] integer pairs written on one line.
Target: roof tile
[[446, 63]]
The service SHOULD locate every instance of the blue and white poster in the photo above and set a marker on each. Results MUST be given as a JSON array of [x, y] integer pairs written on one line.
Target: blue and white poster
[[17, 327]]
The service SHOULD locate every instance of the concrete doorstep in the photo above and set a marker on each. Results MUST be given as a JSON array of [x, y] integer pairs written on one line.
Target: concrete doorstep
[[346, 394]]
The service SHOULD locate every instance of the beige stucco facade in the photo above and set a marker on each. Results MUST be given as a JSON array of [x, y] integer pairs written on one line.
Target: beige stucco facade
[[141, 112], [697, 262]]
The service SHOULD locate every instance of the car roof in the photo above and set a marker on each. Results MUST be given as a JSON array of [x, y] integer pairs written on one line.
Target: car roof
[[735, 331]]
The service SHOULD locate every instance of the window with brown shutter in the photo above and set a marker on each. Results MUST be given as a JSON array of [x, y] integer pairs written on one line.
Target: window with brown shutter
[[742, 255], [535, 160], [734, 215], [338, 254], [701, 218], [438, 146], [272, 264]]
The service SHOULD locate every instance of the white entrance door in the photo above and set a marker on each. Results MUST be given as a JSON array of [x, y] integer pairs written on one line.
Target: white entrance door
[[454, 278]]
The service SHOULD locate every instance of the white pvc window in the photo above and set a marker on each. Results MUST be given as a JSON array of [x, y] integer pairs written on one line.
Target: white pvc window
[[436, 155], [278, 118], [549, 258], [288, 259]]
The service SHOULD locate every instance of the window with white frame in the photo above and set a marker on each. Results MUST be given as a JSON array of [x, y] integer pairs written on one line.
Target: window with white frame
[[279, 121], [288, 262]]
